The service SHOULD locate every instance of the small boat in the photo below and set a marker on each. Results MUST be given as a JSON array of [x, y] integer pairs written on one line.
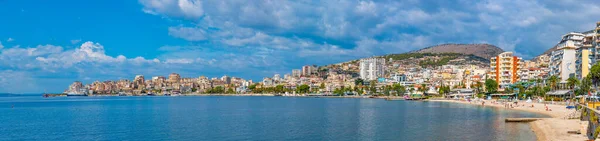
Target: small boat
[[151, 94], [122, 94]]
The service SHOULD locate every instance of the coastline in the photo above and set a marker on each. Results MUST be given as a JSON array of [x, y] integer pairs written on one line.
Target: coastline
[[553, 128]]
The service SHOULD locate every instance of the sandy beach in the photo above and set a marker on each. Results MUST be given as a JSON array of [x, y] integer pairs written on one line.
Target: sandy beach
[[549, 129]]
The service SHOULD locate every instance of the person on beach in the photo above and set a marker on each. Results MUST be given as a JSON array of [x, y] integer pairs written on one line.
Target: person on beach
[[483, 103]]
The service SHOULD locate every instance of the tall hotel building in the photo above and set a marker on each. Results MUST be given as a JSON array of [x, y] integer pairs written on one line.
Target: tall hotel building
[[564, 61], [588, 52], [504, 69], [372, 68]]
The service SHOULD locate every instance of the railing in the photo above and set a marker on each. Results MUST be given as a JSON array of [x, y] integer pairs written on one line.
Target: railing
[[591, 116]]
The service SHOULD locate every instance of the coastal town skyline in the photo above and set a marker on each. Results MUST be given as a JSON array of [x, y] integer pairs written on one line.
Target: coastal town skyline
[[82, 41]]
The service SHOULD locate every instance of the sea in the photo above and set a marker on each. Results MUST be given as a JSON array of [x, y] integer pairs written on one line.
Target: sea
[[223, 118]]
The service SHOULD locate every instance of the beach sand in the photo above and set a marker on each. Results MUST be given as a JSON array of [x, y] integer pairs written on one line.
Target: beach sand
[[547, 129]]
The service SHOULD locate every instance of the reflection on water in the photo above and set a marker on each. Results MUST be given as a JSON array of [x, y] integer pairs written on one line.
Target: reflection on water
[[252, 118]]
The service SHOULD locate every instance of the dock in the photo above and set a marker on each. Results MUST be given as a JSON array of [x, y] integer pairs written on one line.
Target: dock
[[521, 119]]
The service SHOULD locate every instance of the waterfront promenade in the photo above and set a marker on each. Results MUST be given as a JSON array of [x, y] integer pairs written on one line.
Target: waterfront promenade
[[554, 128]]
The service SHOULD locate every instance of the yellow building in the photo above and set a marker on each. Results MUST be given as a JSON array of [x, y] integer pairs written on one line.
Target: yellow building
[[585, 53]]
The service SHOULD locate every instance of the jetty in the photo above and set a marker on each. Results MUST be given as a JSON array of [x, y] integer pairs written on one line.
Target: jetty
[[521, 119]]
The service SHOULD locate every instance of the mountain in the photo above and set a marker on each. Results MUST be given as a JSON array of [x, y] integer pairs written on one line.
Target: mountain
[[486, 51], [547, 52], [435, 56]]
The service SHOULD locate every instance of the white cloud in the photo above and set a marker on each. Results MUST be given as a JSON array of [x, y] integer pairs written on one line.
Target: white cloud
[[266, 36], [367, 7], [75, 41], [10, 40], [1, 46], [190, 9], [17, 82], [179, 61], [343, 23], [190, 34]]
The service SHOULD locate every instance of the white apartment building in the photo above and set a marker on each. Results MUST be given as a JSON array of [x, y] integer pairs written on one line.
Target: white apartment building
[[296, 73], [372, 68], [563, 60]]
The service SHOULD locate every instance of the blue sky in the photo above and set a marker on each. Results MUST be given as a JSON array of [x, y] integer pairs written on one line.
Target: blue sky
[[46, 45]]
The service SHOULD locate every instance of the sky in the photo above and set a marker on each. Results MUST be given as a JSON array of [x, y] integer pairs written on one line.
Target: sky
[[46, 45]]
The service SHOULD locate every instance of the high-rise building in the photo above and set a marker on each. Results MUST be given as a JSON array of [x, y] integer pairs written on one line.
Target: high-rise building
[[226, 79], [296, 73], [585, 56], [372, 68], [277, 77], [139, 82], [307, 70], [174, 78], [563, 60], [504, 68], [595, 41]]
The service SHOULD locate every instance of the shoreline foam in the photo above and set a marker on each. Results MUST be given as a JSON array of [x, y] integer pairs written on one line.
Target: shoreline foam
[[553, 128]]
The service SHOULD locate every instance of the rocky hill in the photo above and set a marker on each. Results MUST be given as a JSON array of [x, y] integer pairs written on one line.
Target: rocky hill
[[435, 56], [486, 51], [547, 52]]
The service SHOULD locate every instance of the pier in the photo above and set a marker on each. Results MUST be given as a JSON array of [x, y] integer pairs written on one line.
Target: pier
[[521, 119]]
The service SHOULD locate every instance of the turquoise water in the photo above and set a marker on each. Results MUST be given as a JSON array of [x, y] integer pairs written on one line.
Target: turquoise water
[[251, 118]]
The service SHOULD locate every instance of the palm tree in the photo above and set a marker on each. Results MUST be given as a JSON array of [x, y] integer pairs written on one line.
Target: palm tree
[[594, 75], [572, 82], [585, 85], [423, 88], [538, 86], [553, 81]]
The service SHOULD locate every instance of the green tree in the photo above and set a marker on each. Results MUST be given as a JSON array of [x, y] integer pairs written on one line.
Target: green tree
[[322, 86], [423, 88], [572, 82], [230, 91], [217, 90], [252, 87], [360, 91], [373, 87], [279, 89], [595, 75], [303, 89], [359, 81], [338, 91], [443, 90], [399, 89], [521, 89], [585, 86], [491, 85], [553, 80], [386, 90], [478, 86]]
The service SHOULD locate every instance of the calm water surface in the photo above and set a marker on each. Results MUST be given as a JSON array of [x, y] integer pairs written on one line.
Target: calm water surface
[[251, 118]]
